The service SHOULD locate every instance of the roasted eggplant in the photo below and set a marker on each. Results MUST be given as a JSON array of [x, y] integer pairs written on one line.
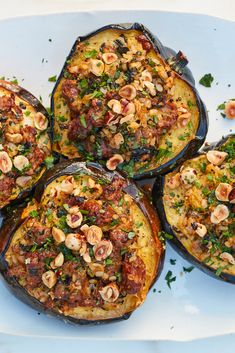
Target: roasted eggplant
[[196, 204], [25, 144], [86, 248], [122, 98]]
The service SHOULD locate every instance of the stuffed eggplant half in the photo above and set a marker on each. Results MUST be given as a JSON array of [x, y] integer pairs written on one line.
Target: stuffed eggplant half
[[24, 142], [86, 249], [196, 204], [119, 101]]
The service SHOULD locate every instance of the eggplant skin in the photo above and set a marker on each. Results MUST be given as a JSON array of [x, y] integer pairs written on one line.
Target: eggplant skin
[[15, 219], [26, 105], [158, 194], [190, 145]]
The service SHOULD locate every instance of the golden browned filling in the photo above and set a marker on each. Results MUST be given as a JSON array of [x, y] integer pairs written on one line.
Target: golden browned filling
[[87, 245], [120, 102], [199, 201], [24, 145]]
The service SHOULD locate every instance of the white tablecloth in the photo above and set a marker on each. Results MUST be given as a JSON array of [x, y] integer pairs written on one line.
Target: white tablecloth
[[14, 8]]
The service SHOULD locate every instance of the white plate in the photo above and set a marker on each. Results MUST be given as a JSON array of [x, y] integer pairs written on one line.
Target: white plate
[[197, 306]]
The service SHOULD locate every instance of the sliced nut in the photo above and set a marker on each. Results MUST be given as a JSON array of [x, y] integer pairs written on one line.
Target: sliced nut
[[49, 279], [20, 162], [231, 196], [5, 162], [74, 210], [114, 161], [188, 175], [58, 235], [67, 185], [109, 58], [199, 228], [222, 191], [97, 268], [58, 261], [225, 256], [83, 248], [74, 220], [127, 119], [115, 105], [216, 157], [220, 213], [103, 249], [127, 92], [96, 67], [110, 293], [40, 121], [230, 109], [14, 138], [23, 181], [127, 107], [73, 241], [12, 149], [94, 234], [174, 181], [151, 88], [84, 228]]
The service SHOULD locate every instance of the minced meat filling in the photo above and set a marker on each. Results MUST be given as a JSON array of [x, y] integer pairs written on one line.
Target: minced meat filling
[[80, 247]]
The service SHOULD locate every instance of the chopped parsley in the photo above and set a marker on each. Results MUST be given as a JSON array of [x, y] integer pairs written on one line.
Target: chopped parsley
[[49, 162], [206, 80], [90, 54], [188, 269], [170, 278], [52, 78], [33, 213]]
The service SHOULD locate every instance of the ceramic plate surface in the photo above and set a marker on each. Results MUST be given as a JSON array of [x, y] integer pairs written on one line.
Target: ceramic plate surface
[[34, 49]]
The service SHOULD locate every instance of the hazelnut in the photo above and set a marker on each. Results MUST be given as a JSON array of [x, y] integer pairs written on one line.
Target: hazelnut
[[58, 235], [40, 121], [220, 213], [115, 105], [23, 181], [200, 229], [49, 279], [67, 185], [109, 58], [127, 92], [20, 162], [146, 76], [94, 234], [5, 162], [110, 293], [14, 138], [96, 67], [103, 249], [188, 175], [118, 139], [230, 109], [58, 261], [174, 181], [127, 107], [225, 256], [74, 220], [222, 191], [73, 241], [114, 161], [216, 157], [231, 196]]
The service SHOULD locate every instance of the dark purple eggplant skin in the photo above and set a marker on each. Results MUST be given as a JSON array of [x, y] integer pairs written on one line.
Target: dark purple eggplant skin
[[157, 196], [34, 102], [170, 56], [13, 220]]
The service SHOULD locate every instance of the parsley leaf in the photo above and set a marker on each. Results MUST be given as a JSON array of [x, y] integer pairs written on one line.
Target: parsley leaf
[[206, 80]]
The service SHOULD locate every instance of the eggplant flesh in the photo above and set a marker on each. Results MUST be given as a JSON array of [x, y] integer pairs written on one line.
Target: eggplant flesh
[[196, 205], [94, 117], [24, 259], [25, 142]]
